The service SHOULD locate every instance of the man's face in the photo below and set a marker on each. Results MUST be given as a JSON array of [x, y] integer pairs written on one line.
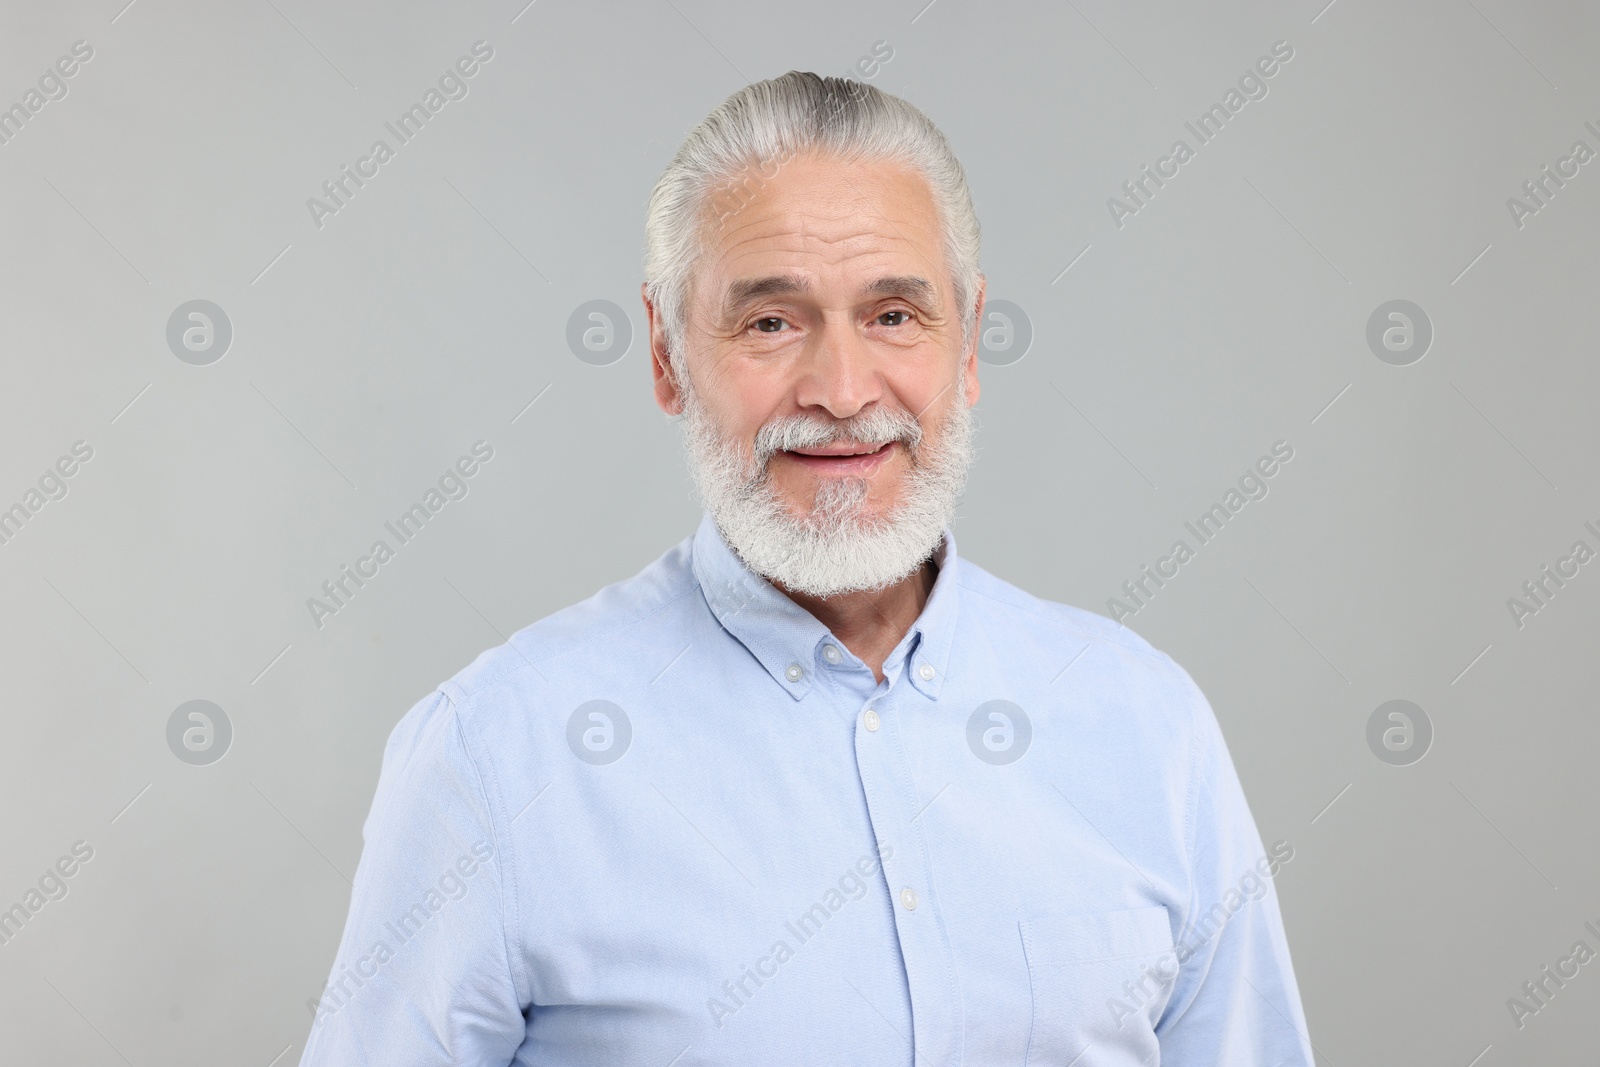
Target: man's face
[[826, 296]]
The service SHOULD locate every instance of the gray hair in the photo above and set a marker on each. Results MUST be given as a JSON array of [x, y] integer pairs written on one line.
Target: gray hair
[[744, 142]]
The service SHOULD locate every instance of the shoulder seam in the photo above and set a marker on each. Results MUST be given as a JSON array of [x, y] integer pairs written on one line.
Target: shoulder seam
[[510, 904]]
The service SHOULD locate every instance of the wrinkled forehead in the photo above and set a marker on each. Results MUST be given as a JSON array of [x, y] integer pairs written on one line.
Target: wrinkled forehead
[[818, 221]]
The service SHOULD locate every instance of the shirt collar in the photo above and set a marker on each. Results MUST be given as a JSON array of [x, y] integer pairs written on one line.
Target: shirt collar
[[789, 641]]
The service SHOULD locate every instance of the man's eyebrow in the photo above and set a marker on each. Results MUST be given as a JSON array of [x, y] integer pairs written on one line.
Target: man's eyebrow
[[749, 290], [906, 285]]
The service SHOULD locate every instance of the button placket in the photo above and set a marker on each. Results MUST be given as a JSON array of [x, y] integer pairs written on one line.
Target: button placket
[[924, 951]]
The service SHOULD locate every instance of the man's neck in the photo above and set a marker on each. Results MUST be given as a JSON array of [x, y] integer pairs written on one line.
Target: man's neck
[[872, 624]]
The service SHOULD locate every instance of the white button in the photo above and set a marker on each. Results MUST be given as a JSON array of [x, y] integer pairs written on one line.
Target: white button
[[794, 672], [926, 671], [908, 898], [870, 720], [830, 654]]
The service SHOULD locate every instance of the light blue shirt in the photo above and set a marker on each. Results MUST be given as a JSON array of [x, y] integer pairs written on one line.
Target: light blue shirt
[[680, 823]]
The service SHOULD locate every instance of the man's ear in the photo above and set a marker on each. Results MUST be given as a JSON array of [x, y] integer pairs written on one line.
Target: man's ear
[[668, 396], [969, 365]]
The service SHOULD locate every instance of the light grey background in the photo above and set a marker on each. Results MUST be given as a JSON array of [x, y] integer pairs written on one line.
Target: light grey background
[[369, 353]]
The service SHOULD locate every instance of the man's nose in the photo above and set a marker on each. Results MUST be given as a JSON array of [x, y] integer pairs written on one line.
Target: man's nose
[[839, 370]]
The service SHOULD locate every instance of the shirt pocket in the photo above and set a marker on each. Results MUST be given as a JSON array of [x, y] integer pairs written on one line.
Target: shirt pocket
[[1099, 981]]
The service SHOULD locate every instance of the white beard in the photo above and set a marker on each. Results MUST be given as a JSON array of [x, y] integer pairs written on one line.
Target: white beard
[[838, 547]]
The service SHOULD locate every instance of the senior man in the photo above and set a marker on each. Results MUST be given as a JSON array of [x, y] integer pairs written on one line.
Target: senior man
[[811, 789]]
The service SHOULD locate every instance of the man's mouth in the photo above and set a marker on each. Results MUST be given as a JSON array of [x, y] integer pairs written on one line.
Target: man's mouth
[[843, 457]]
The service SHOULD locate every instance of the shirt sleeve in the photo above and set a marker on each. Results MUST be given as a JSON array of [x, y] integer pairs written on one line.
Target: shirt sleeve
[[423, 974], [1235, 1002]]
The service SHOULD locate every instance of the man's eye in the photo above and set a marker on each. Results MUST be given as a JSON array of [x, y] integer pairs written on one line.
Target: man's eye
[[898, 318], [771, 324]]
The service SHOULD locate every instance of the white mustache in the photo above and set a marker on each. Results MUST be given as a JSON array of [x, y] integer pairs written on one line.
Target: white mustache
[[874, 428]]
